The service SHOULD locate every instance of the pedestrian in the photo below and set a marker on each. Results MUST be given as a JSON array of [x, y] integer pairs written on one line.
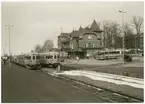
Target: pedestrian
[[2, 60], [77, 58], [88, 55]]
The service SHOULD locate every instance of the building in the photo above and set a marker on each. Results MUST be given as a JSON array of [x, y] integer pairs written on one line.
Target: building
[[81, 42]]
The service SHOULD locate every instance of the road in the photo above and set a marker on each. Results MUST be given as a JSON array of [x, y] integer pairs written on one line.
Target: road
[[20, 85]]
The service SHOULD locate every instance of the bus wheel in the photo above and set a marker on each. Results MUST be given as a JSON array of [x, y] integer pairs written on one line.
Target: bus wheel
[[58, 68]]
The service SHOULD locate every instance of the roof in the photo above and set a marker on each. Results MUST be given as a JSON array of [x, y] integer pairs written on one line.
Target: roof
[[65, 34], [80, 32], [30, 53], [63, 39], [75, 33], [49, 53], [80, 28], [76, 50], [95, 26]]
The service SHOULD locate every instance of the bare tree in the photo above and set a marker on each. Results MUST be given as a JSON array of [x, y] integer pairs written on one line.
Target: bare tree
[[38, 48], [47, 46], [111, 32], [106, 33], [115, 32], [129, 37], [137, 24]]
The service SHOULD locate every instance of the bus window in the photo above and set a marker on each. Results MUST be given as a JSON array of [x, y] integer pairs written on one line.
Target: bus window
[[33, 57]]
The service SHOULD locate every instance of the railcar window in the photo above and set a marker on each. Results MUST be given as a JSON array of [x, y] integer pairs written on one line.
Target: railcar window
[[50, 57], [37, 57], [55, 56], [33, 57], [117, 51], [28, 57]]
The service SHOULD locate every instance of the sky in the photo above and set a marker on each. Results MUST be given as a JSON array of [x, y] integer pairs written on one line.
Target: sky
[[34, 22]]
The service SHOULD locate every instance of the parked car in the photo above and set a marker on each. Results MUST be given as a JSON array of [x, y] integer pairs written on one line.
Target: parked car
[[127, 58]]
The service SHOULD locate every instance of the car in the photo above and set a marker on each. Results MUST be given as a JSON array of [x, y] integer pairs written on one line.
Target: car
[[127, 58]]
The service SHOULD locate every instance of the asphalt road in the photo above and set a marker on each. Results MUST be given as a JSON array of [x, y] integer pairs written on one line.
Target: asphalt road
[[20, 85]]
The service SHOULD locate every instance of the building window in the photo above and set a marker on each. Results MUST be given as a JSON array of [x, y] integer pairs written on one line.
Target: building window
[[89, 36], [86, 45]]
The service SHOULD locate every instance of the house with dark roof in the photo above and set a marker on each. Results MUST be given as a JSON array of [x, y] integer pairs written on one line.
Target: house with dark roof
[[82, 42]]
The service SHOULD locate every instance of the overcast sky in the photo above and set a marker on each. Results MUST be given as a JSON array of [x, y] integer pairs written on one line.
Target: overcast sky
[[34, 22]]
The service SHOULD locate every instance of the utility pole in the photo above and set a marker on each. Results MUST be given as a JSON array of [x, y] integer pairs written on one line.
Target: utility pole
[[9, 31], [122, 12]]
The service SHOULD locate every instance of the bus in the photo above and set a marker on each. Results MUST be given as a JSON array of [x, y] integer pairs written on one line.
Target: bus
[[110, 54]]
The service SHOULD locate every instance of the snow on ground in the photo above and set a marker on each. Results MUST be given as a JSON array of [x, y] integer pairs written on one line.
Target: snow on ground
[[112, 78]]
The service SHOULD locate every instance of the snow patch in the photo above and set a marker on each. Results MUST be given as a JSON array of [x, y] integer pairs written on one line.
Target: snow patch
[[112, 78]]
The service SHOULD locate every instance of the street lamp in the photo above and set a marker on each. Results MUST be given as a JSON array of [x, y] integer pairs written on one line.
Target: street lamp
[[9, 30], [122, 33]]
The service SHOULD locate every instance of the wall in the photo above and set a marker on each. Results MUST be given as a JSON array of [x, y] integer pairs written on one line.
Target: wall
[[94, 40]]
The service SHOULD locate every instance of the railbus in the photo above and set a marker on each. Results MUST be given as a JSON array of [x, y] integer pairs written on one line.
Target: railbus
[[29, 60], [50, 59]]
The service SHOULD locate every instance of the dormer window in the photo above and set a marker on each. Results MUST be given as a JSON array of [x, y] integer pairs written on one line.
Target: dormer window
[[93, 45], [89, 36], [86, 45]]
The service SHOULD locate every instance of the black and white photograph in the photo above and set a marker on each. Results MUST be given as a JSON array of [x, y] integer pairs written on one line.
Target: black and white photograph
[[72, 51]]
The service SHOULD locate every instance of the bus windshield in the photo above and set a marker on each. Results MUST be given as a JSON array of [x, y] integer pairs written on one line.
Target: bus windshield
[[101, 53]]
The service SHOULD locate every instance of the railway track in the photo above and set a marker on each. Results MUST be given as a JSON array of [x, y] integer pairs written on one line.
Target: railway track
[[105, 94]]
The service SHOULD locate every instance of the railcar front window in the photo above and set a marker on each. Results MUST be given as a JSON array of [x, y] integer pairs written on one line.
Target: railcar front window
[[50, 57], [55, 56], [28, 57], [33, 57], [37, 57]]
